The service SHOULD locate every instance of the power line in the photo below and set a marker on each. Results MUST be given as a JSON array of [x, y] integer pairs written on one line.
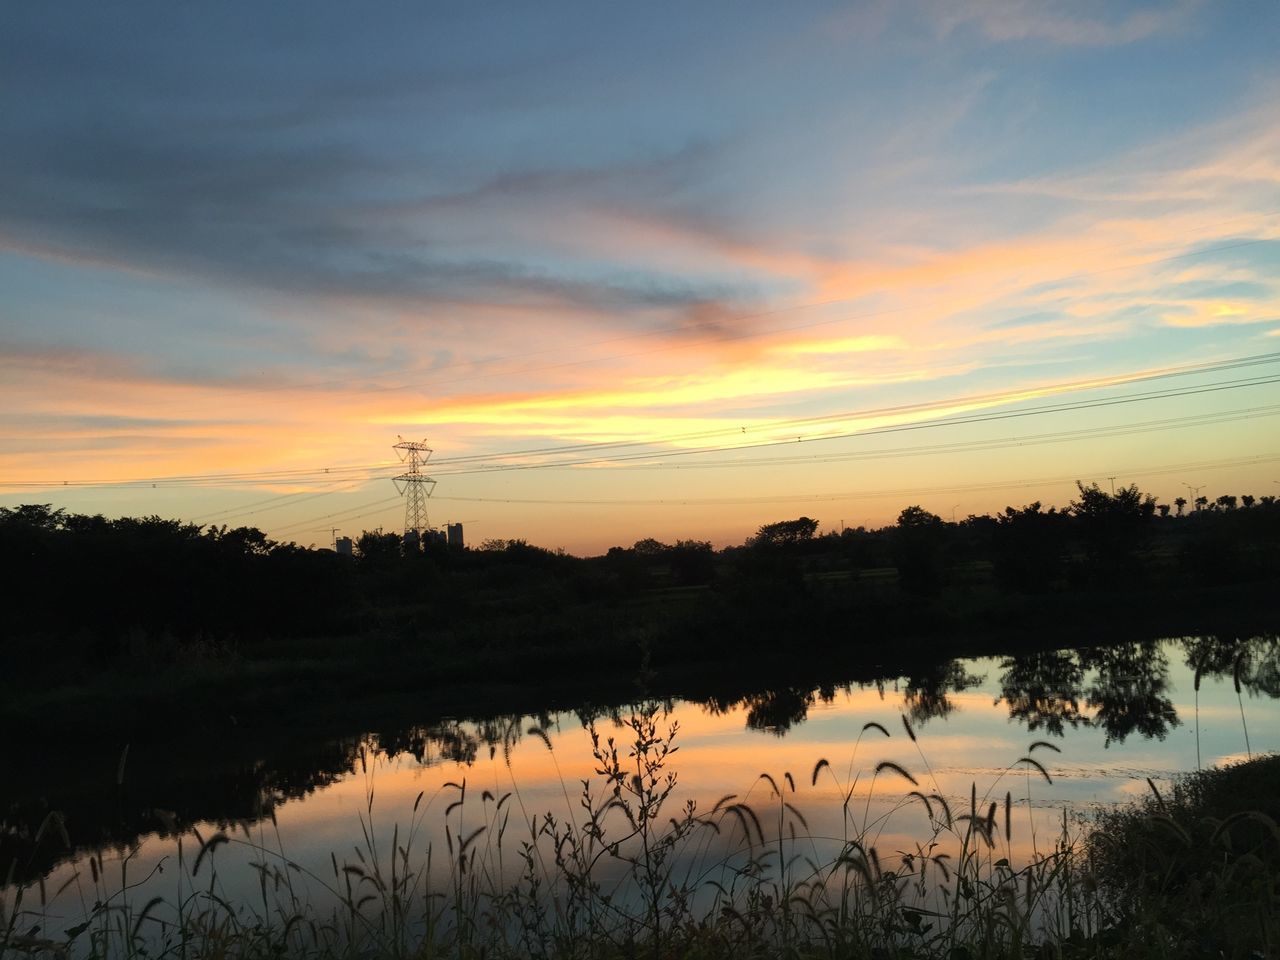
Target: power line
[[493, 462], [217, 515], [904, 492], [972, 446], [878, 431], [1118, 430], [292, 475], [987, 399], [294, 498], [340, 514]]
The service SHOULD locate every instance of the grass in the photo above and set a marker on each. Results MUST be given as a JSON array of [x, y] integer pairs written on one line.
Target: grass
[[1200, 866], [627, 870]]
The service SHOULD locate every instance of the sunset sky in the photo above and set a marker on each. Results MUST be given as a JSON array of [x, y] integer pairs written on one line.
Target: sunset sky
[[688, 254]]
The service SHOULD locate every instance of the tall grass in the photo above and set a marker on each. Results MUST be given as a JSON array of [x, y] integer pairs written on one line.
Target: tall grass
[[626, 870]]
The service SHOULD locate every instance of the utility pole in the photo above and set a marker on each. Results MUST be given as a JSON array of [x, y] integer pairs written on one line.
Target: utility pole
[[412, 485], [333, 534], [1113, 485], [1193, 493]]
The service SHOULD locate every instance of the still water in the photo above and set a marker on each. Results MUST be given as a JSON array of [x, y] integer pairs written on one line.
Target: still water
[[1099, 724]]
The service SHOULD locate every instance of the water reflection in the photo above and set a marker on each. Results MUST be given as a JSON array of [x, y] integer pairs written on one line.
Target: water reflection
[[1123, 692], [1129, 691], [927, 694], [1043, 690], [774, 711], [1253, 664], [1125, 686], [456, 740]]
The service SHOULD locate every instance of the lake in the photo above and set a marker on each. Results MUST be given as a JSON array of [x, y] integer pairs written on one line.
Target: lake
[[1051, 736]]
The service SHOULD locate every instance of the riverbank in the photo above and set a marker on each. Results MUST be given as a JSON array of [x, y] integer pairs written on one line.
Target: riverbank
[[521, 658]]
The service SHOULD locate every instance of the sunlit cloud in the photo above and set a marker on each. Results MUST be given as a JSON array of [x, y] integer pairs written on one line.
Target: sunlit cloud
[[1219, 313], [844, 345]]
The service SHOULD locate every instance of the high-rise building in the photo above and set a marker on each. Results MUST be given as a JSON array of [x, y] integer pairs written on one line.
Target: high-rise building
[[344, 546], [455, 535]]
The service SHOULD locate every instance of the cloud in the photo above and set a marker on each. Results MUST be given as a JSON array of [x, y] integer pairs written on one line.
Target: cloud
[[1061, 23], [844, 345], [1219, 313], [308, 216]]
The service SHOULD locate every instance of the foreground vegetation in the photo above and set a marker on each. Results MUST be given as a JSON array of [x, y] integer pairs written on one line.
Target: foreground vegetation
[[628, 872]]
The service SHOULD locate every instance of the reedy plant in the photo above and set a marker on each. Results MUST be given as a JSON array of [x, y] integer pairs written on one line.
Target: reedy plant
[[628, 871]]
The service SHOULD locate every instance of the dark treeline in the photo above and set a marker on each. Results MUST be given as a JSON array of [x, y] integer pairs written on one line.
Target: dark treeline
[[209, 614]]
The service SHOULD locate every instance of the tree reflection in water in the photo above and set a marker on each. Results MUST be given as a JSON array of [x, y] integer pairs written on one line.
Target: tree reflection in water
[[1128, 692], [1258, 660], [773, 711], [926, 694], [1125, 687], [1043, 690]]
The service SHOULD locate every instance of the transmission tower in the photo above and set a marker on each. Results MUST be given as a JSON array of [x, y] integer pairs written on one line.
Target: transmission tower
[[412, 485]]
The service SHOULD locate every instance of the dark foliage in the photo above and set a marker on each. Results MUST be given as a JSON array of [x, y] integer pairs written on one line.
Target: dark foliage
[[1199, 863], [918, 543], [1027, 548], [85, 594]]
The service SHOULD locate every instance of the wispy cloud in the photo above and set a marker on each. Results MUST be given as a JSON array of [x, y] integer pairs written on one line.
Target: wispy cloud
[[1066, 24]]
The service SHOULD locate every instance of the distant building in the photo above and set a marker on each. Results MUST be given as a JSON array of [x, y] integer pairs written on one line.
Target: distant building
[[455, 535], [410, 541], [436, 536], [344, 546]]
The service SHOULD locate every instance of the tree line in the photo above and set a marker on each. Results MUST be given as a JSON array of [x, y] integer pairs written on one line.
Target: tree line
[[105, 589]]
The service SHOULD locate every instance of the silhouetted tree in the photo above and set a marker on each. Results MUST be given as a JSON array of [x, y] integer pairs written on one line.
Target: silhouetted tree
[[650, 547], [692, 562], [629, 569], [784, 533], [917, 550], [1180, 503], [1027, 548], [375, 548], [1113, 527]]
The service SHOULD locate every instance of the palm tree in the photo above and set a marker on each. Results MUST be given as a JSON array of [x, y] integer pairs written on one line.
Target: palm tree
[[1201, 502], [1180, 503]]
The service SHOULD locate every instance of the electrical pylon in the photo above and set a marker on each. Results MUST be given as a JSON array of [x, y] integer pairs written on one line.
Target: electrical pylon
[[411, 485]]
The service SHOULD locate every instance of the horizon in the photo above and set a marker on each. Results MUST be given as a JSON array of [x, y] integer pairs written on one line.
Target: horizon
[[714, 267], [1189, 507]]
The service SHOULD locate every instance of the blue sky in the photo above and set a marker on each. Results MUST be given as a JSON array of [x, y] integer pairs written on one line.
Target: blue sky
[[265, 240]]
